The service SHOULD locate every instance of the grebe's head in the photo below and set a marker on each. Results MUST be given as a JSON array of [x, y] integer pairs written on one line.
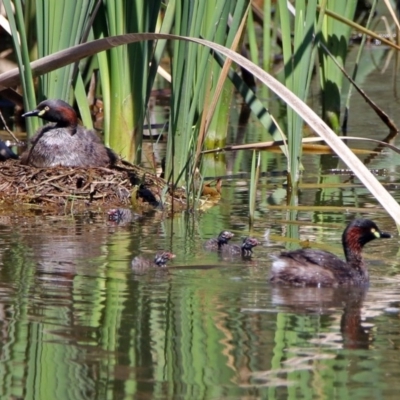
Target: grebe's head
[[224, 237], [55, 111], [162, 258]]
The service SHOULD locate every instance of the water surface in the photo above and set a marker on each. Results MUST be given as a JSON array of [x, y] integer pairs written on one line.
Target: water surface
[[76, 322]]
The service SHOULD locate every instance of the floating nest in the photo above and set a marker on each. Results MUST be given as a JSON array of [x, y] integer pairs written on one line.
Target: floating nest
[[62, 189]]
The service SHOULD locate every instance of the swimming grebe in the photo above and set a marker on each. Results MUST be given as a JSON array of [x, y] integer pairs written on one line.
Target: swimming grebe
[[244, 250], [215, 244], [309, 267], [160, 260]]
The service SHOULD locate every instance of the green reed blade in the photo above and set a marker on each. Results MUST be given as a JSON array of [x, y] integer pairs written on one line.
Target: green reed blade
[[316, 124], [335, 37], [17, 26], [254, 177]]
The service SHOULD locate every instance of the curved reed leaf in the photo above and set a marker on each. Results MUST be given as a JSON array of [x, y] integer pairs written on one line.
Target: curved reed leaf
[[73, 54]]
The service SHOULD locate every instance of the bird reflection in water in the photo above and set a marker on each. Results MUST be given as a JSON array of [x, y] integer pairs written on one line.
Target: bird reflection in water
[[326, 301]]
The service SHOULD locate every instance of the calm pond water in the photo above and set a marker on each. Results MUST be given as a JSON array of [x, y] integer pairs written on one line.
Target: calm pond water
[[77, 323]]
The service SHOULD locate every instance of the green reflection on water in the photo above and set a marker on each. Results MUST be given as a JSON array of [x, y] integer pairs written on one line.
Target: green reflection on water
[[86, 327]]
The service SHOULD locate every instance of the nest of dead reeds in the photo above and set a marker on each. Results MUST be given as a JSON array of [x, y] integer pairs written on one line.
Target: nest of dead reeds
[[79, 188]]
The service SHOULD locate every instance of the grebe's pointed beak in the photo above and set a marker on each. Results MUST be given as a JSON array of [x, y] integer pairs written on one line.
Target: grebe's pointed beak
[[33, 113], [385, 235]]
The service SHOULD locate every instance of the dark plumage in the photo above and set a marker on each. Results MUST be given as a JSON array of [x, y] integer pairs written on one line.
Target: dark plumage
[[160, 260], [215, 244], [147, 196], [244, 250], [6, 152], [308, 267], [63, 142]]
